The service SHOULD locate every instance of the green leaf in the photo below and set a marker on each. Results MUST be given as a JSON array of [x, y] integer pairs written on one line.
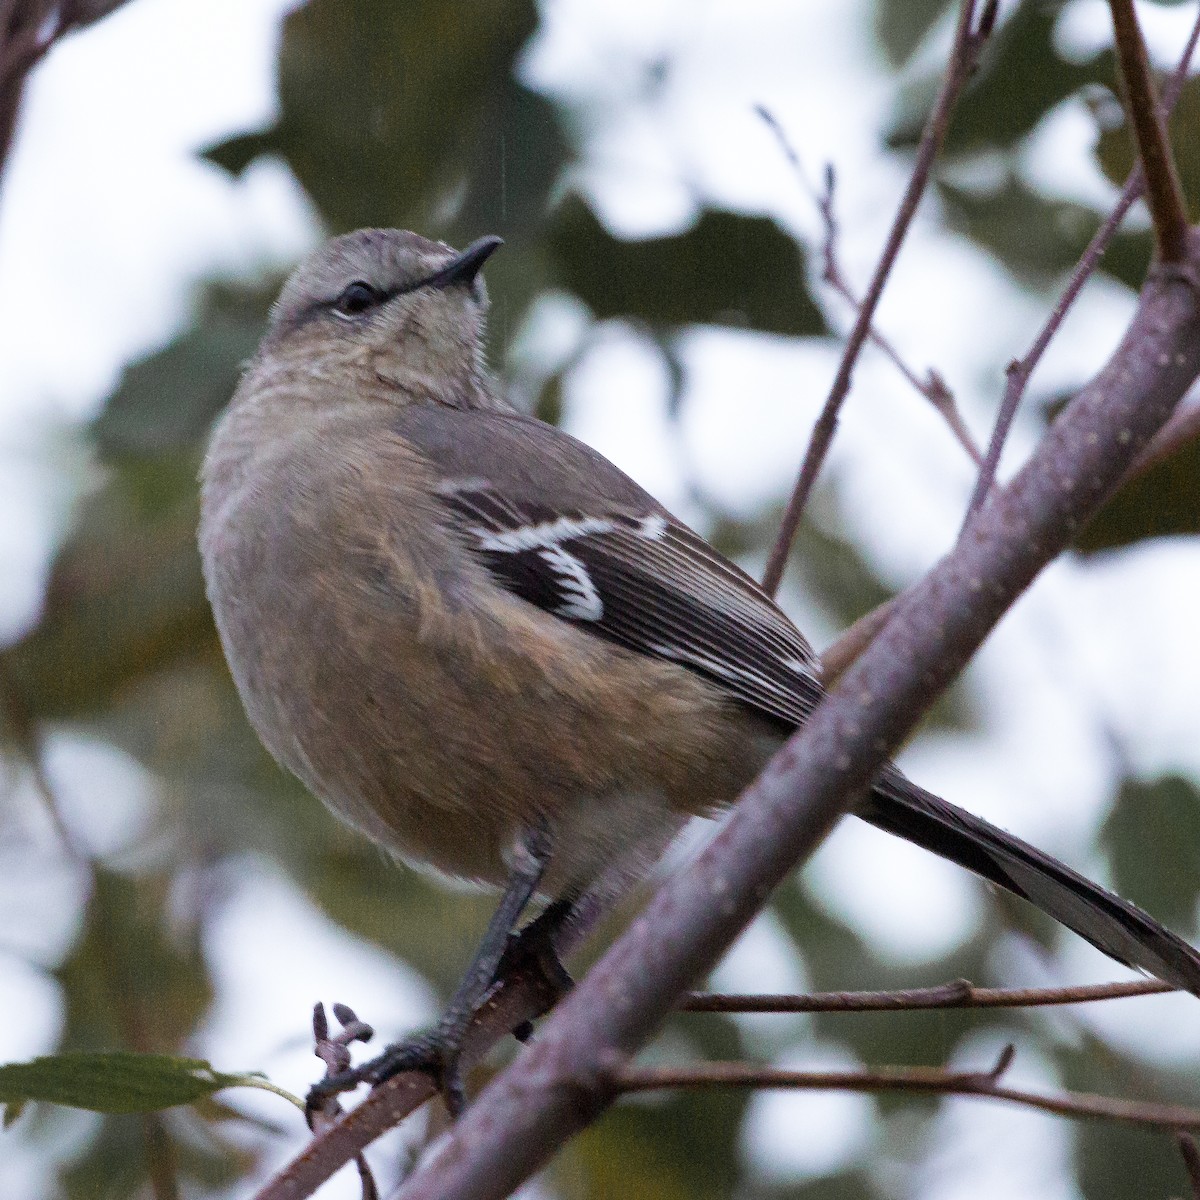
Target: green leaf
[[1037, 239], [1115, 154], [386, 109], [115, 1082], [726, 270], [167, 402], [901, 25], [1020, 78], [1153, 836]]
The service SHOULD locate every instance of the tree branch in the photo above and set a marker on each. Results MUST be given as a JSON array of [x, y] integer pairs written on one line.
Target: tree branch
[[1164, 195], [960, 993], [928, 1080], [1020, 370], [566, 1077], [933, 387], [969, 39]]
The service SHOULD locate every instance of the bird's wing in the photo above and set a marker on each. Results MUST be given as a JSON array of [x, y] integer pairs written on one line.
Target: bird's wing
[[574, 536]]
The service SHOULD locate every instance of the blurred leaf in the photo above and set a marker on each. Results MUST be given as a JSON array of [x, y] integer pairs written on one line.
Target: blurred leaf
[[1153, 836], [116, 1082], [683, 1146], [1115, 153], [1020, 78], [725, 270], [901, 25], [168, 401], [385, 108], [1039, 239], [125, 594], [130, 980], [1161, 503]]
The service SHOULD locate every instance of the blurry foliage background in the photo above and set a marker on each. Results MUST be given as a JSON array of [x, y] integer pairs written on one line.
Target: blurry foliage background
[[415, 115]]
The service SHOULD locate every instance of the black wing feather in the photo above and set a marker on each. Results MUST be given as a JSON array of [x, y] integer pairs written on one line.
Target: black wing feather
[[647, 582]]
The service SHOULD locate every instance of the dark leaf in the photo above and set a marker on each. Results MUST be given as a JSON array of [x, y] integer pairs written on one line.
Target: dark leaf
[[725, 270], [1038, 239], [901, 25], [1163, 502], [168, 401], [385, 108], [1153, 836], [1020, 78], [1114, 148]]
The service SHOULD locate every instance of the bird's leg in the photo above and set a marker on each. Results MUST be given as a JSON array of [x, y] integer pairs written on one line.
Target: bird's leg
[[535, 945], [436, 1051]]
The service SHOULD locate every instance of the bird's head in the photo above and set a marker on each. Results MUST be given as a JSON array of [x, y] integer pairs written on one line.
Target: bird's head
[[387, 309]]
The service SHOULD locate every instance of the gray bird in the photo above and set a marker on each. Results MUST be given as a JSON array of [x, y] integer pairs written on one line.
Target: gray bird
[[483, 645]]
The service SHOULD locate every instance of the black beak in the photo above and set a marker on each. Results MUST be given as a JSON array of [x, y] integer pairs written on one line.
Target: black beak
[[462, 269]]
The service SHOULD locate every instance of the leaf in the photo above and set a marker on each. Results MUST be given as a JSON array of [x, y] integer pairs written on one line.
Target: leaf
[[1038, 239], [1163, 502], [114, 1082], [1153, 836], [726, 270], [1020, 78], [1115, 153], [167, 401], [385, 108], [901, 25]]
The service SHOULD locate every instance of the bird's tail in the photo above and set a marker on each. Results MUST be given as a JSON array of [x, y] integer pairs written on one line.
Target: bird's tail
[[1120, 929]]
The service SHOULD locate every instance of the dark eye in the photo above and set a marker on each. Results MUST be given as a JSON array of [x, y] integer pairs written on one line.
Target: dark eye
[[357, 298]]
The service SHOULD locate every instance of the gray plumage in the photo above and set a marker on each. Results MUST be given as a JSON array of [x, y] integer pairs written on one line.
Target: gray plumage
[[453, 622]]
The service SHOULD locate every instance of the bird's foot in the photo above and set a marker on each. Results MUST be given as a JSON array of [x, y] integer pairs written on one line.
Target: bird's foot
[[434, 1053]]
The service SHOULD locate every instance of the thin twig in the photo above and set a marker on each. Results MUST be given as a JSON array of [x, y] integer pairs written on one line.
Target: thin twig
[[933, 387], [912, 1079], [960, 993], [969, 39], [1020, 370], [1164, 195]]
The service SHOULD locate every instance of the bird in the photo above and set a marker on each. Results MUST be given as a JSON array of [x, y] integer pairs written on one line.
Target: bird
[[482, 644]]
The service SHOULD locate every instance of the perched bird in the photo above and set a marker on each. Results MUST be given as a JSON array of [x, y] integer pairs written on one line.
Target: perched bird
[[482, 644]]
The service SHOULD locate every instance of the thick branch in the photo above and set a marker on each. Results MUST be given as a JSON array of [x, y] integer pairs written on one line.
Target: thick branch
[[567, 1077]]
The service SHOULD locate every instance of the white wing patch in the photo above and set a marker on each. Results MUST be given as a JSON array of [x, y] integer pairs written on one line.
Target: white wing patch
[[581, 601], [546, 536]]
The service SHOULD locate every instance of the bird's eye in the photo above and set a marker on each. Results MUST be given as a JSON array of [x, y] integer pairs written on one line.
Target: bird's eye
[[356, 298]]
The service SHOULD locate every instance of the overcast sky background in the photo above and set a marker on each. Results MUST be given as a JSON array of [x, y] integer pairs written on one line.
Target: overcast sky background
[[108, 222]]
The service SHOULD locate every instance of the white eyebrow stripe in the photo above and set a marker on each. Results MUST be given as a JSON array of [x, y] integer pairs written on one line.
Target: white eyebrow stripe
[[549, 535]]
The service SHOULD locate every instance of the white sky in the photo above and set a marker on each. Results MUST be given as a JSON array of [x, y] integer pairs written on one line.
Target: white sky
[[107, 222]]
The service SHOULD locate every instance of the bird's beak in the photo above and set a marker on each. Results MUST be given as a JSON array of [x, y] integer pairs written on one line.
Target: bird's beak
[[463, 268]]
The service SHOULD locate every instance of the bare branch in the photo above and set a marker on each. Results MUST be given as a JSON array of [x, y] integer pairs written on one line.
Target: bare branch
[[1020, 370], [960, 993], [933, 387], [1164, 195], [928, 1080], [969, 39]]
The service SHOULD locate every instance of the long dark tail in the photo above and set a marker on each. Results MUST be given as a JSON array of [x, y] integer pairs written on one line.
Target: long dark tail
[[1120, 929]]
